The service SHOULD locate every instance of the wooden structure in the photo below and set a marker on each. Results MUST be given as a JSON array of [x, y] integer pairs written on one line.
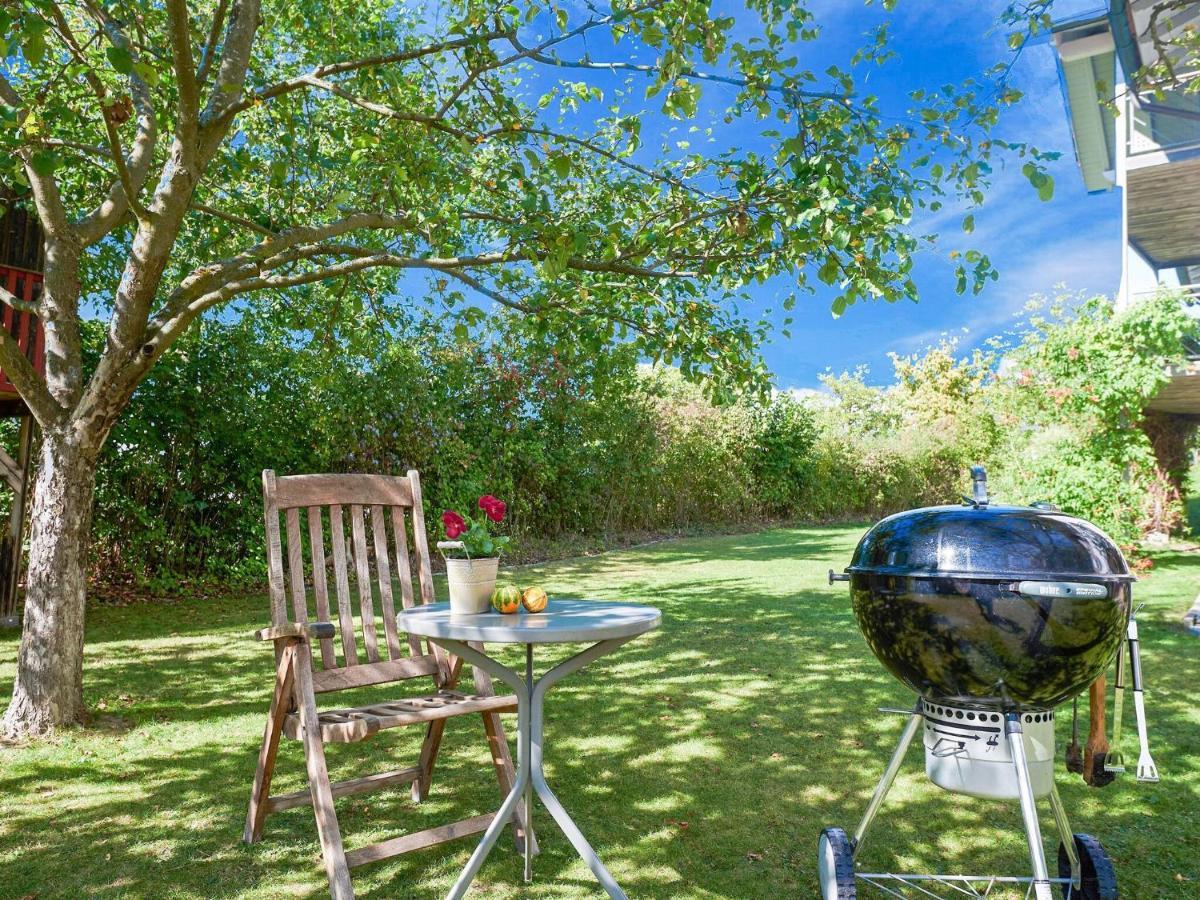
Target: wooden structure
[[322, 645], [20, 275]]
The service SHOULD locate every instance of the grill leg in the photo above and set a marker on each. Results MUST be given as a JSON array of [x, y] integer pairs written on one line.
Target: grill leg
[[1037, 853], [889, 776], [1065, 834]]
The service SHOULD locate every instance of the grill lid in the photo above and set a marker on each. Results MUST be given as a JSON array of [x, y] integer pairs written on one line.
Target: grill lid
[[978, 540]]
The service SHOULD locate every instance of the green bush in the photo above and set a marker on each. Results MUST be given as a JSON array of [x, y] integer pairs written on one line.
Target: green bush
[[587, 444], [780, 454], [1072, 401]]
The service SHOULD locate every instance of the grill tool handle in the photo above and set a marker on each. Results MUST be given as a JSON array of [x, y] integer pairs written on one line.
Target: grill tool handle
[[837, 576]]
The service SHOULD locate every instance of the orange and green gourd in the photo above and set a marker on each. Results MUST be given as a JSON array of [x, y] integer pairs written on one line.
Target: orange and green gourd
[[534, 599], [506, 599]]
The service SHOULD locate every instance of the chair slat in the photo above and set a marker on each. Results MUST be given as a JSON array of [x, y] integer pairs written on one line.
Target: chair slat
[[296, 565], [404, 573], [337, 536], [366, 602], [383, 572], [366, 674], [364, 490], [424, 569], [274, 552], [316, 543]]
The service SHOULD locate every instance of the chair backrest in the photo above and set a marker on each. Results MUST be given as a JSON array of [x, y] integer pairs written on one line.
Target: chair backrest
[[377, 507]]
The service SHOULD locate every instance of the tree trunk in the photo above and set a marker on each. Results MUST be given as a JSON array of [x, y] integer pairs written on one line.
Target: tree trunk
[[49, 687]]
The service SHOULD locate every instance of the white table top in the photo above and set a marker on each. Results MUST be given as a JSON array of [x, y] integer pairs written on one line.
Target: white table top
[[563, 621]]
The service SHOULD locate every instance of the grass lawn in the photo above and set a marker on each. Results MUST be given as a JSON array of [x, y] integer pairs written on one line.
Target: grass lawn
[[701, 760]]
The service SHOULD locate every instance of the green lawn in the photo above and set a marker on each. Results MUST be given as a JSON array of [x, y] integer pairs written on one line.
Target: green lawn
[[701, 760]]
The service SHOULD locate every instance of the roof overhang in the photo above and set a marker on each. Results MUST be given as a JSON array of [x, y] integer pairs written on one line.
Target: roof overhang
[[1087, 76]]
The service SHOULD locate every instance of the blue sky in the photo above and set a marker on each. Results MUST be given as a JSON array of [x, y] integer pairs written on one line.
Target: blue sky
[[1072, 240]]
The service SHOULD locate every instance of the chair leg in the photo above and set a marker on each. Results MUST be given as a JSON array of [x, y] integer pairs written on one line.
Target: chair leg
[[332, 851], [280, 707], [429, 752], [433, 734]]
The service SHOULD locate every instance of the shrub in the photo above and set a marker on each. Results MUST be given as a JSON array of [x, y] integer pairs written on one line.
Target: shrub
[[591, 443]]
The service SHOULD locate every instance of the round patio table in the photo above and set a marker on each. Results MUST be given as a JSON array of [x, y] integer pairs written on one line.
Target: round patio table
[[606, 625]]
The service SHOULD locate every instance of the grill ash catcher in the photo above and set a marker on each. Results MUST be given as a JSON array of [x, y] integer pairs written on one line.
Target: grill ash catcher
[[993, 615]]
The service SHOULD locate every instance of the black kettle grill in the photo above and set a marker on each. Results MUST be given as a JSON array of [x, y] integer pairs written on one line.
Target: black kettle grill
[[999, 607], [993, 615]]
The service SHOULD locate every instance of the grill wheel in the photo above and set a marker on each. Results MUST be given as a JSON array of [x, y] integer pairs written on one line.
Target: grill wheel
[[1099, 880], [835, 865]]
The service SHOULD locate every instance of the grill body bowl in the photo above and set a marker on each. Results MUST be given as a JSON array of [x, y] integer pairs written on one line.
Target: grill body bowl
[[935, 594]]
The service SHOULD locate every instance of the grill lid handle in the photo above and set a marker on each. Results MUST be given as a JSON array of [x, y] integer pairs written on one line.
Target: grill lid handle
[[1082, 590], [979, 493]]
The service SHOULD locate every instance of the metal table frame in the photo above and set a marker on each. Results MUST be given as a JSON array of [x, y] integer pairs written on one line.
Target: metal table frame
[[531, 695]]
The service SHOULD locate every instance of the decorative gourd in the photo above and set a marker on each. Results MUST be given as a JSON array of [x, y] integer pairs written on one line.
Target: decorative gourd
[[506, 599], [534, 599]]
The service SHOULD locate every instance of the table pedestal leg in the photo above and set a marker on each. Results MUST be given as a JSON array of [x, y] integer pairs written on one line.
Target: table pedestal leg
[[531, 697], [520, 785], [528, 781]]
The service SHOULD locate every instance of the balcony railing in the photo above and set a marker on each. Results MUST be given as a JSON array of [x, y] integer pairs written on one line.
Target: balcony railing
[[1169, 126]]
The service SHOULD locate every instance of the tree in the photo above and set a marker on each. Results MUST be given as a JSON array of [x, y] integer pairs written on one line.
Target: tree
[[186, 154]]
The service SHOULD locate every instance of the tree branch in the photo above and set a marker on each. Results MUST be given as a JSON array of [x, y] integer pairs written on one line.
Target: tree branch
[[233, 219], [323, 72], [786, 91], [210, 46], [46, 197], [132, 169], [8, 298], [185, 72], [386, 111], [118, 39], [28, 383], [225, 98]]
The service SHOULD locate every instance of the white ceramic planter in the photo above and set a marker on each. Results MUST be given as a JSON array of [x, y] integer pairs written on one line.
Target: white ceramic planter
[[471, 584]]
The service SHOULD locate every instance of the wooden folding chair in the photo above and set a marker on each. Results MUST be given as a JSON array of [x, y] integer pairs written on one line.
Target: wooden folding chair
[[375, 505]]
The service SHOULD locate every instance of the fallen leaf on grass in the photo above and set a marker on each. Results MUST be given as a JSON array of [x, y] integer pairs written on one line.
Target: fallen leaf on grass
[[754, 857]]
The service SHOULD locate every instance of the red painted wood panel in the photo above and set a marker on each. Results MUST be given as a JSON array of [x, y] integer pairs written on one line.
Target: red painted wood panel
[[24, 326]]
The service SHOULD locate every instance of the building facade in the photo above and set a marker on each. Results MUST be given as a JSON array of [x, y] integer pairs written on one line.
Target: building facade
[[1139, 137]]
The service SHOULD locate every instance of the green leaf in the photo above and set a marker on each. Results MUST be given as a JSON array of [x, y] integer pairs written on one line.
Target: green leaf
[[34, 47], [968, 224], [148, 73], [120, 58], [44, 162]]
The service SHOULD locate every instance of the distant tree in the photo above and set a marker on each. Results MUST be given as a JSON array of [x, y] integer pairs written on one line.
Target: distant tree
[[185, 154]]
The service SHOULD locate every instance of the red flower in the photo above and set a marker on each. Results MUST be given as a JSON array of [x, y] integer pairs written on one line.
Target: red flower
[[494, 509], [453, 523]]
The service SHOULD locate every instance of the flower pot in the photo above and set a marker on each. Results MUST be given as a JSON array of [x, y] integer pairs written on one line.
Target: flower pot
[[471, 584]]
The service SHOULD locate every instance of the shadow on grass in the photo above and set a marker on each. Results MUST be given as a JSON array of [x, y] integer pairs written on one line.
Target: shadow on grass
[[701, 760]]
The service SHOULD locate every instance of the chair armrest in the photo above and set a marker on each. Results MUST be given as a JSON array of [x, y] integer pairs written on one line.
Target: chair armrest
[[301, 630]]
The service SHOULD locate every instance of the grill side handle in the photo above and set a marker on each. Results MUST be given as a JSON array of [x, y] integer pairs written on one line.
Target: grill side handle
[[838, 576]]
